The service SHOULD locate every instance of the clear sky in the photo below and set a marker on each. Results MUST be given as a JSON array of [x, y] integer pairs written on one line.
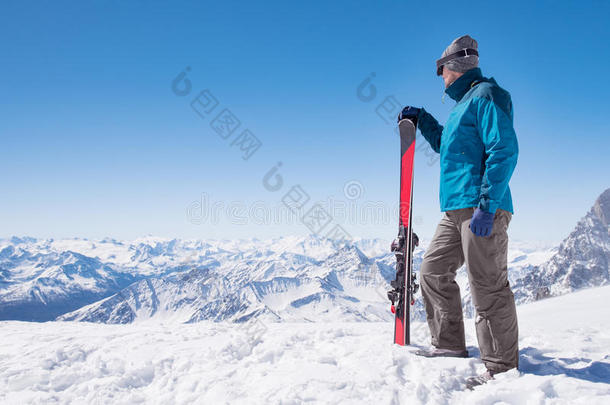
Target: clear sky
[[95, 143]]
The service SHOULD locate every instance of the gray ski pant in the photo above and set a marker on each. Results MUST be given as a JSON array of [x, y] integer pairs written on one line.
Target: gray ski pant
[[486, 263]]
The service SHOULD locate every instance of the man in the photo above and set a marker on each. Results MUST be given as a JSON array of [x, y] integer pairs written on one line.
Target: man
[[478, 153]]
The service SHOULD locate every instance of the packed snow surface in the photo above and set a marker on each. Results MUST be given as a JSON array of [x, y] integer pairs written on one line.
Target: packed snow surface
[[564, 359]]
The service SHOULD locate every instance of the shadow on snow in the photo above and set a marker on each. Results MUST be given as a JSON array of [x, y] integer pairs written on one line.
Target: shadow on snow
[[533, 361]]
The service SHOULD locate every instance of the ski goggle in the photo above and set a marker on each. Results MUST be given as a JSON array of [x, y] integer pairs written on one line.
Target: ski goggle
[[459, 54]]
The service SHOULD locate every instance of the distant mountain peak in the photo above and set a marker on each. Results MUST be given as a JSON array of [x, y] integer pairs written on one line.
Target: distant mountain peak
[[582, 258], [601, 208]]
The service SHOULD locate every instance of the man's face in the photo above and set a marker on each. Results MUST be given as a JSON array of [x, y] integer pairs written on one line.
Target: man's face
[[449, 76]]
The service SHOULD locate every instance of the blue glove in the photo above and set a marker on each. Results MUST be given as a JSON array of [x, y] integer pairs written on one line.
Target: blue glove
[[481, 222], [408, 112]]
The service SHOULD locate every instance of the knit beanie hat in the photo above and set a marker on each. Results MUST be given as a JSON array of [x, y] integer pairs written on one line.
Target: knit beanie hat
[[460, 56]]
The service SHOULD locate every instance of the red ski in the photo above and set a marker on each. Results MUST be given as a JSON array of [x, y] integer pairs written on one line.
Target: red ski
[[404, 286]]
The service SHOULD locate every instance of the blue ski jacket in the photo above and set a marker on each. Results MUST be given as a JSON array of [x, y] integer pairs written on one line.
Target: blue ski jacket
[[478, 145]]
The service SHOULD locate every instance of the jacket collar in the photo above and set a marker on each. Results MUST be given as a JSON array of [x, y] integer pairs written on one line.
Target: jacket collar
[[462, 84]]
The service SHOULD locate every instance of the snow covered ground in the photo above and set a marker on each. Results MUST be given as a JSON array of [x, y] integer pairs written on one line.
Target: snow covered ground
[[565, 359]]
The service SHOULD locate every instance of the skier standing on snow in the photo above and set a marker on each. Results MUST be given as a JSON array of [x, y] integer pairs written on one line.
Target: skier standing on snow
[[478, 153]]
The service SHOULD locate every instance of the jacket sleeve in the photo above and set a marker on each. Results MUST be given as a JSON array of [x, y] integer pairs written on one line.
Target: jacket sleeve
[[501, 150], [430, 129]]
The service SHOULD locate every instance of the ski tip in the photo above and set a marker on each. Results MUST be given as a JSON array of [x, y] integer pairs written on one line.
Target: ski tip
[[406, 123]]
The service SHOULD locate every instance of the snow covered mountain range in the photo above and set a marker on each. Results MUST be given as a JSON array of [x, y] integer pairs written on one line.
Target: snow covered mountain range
[[581, 261], [283, 279]]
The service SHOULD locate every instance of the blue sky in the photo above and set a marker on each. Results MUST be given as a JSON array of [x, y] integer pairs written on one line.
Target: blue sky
[[95, 143]]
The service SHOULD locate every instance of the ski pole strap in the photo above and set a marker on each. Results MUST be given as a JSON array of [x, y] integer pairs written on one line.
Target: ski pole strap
[[459, 54]]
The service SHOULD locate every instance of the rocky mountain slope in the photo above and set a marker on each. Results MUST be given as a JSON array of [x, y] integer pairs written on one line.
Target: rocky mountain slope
[[581, 260]]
